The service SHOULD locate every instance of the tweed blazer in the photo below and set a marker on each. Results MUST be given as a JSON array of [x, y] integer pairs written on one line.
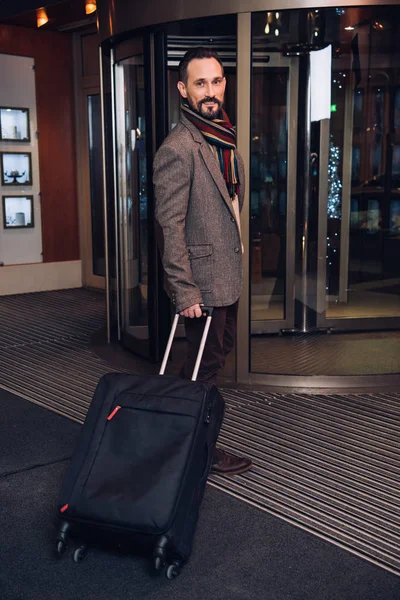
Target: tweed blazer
[[200, 238]]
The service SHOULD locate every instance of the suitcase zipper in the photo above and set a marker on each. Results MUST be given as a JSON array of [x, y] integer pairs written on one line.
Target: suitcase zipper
[[114, 412]]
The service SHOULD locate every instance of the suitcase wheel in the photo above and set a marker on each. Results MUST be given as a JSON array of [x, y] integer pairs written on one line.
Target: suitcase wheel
[[173, 570], [159, 563], [60, 548], [79, 554], [62, 538], [160, 553]]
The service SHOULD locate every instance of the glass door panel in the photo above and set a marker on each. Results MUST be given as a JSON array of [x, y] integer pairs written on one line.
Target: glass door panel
[[272, 191], [362, 241], [347, 221], [131, 132]]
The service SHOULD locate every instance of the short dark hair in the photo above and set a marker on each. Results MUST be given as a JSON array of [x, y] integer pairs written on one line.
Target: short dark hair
[[198, 52]]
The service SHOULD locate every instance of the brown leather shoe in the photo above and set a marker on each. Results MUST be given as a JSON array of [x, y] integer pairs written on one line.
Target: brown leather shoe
[[229, 464]]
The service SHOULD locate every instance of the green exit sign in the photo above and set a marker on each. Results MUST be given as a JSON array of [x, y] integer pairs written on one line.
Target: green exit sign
[[333, 107]]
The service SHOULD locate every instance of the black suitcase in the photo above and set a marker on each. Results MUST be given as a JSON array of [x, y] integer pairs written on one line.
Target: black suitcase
[[138, 474]]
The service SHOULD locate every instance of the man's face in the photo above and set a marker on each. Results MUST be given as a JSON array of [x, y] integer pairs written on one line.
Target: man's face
[[205, 87]]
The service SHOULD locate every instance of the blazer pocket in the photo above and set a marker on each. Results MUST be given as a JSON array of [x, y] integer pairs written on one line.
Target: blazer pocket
[[200, 256]]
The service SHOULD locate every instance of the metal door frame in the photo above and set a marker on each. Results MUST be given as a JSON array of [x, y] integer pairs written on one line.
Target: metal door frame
[[141, 339]]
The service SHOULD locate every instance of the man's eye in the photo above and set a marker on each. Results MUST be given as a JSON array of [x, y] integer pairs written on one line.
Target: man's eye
[[200, 83]]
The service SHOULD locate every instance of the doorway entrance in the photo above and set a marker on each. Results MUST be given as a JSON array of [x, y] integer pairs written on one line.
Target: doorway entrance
[[320, 222]]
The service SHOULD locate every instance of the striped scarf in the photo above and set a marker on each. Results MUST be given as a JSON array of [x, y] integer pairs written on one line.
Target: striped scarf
[[221, 136]]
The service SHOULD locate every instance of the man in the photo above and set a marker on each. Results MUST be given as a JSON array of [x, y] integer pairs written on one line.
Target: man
[[199, 189]]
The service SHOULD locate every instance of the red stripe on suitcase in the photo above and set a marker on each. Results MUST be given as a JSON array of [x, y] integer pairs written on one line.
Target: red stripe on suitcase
[[64, 508], [114, 412]]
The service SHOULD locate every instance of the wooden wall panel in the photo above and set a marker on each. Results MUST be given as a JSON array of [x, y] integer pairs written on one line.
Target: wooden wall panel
[[53, 56]]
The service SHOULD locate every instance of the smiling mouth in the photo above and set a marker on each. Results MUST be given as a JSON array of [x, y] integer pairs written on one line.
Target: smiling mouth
[[210, 102]]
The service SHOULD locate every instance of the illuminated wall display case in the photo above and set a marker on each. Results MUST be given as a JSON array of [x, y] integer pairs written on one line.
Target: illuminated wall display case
[[16, 168], [20, 207], [18, 212], [14, 124]]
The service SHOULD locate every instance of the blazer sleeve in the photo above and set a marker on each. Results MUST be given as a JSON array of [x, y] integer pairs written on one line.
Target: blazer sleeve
[[172, 182]]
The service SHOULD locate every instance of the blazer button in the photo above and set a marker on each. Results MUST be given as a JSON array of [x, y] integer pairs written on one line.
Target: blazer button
[[237, 249], [232, 219]]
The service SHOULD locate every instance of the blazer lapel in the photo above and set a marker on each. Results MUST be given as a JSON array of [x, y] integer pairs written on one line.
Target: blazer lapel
[[215, 171], [210, 162]]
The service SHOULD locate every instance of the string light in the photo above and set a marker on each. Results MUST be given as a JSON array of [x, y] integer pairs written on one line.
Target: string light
[[334, 183]]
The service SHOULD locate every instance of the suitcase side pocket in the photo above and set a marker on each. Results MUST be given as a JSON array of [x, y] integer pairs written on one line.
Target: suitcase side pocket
[[136, 473], [103, 398]]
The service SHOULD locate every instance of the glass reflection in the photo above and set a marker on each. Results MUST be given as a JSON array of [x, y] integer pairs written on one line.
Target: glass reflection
[[357, 197], [268, 192], [368, 284]]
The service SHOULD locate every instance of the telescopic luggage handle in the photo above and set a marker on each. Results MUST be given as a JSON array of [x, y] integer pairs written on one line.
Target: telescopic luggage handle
[[205, 309]]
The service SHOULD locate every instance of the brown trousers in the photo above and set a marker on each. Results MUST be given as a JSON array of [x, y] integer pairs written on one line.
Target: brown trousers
[[220, 342]]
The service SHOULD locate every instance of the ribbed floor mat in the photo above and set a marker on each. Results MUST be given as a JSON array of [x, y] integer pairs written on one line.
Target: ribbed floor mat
[[327, 463], [44, 348]]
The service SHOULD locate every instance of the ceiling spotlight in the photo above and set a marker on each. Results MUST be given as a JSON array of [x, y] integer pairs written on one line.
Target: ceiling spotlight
[[90, 6], [349, 28], [276, 32], [41, 17], [266, 30]]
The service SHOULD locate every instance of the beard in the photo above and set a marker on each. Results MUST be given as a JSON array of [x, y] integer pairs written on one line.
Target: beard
[[206, 112]]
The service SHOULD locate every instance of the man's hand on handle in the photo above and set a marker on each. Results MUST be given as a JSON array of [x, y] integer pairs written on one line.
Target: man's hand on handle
[[192, 311]]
